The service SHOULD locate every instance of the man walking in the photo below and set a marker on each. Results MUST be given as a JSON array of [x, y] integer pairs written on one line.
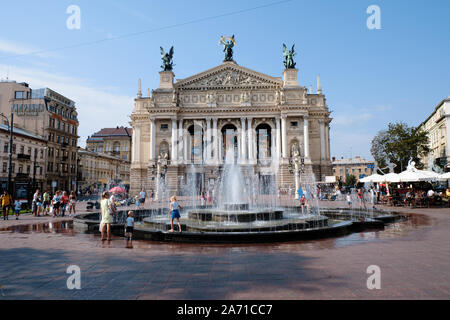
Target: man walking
[[6, 202]]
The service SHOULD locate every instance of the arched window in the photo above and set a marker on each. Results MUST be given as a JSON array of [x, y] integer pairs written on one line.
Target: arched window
[[229, 143], [196, 143], [116, 147], [263, 141]]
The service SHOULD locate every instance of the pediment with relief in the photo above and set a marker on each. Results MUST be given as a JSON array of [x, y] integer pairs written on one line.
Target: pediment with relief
[[228, 75]]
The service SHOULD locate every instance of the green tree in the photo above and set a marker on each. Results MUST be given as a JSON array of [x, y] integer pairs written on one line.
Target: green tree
[[350, 180], [398, 145]]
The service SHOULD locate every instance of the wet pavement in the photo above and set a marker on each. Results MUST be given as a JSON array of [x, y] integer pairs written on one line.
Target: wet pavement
[[413, 257]]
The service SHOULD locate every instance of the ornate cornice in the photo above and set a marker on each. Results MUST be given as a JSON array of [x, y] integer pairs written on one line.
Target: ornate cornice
[[228, 76]]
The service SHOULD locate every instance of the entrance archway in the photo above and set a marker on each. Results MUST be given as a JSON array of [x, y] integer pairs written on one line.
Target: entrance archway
[[229, 143]]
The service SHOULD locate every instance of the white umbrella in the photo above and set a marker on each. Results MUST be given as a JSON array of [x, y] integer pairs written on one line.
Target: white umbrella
[[444, 176], [417, 175], [370, 178], [390, 177]]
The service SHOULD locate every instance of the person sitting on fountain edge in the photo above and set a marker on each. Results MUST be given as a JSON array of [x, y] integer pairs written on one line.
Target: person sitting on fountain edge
[[175, 213]]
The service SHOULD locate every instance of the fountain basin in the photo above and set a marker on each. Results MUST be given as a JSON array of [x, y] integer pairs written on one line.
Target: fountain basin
[[235, 216], [339, 229]]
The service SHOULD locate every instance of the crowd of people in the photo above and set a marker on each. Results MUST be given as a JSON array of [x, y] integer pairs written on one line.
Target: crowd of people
[[42, 204]]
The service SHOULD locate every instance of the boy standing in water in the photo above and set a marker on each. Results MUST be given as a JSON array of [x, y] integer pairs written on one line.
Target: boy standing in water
[[130, 226], [349, 201]]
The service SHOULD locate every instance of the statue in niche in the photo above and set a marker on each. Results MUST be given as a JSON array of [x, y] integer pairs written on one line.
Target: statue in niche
[[245, 97], [295, 150], [174, 97], [211, 98], [167, 59], [289, 57]]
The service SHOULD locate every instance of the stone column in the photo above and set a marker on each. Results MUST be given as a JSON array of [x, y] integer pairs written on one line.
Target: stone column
[[250, 139], [306, 135], [327, 141], [322, 139], [180, 141], [243, 142], [284, 136], [152, 139], [186, 138], [277, 125], [133, 146], [215, 144], [208, 140], [174, 156]]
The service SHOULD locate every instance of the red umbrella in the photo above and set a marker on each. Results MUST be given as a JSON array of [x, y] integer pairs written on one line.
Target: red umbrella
[[118, 190]]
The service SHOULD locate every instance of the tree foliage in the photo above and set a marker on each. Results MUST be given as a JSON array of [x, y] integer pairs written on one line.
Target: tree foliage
[[350, 180], [398, 145]]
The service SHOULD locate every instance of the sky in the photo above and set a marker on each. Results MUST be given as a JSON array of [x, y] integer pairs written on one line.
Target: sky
[[370, 77]]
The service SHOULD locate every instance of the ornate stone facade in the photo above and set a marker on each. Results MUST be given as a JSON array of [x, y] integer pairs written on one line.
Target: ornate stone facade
[[263, 121]]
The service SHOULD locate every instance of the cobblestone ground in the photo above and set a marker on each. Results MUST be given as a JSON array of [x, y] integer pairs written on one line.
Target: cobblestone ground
[[413, 256]]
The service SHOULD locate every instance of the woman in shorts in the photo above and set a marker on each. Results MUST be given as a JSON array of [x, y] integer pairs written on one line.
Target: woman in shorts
[[72, 204], [174, 209], [56, 203], [303, 203]]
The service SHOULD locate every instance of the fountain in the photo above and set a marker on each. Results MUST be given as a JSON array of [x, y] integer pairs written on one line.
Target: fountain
[[243, 212], [234, 216]]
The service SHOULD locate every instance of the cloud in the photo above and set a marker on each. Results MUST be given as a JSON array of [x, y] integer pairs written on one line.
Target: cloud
[[97, 107], [380, 108], [352, 119], [12, 48], [350, 143]]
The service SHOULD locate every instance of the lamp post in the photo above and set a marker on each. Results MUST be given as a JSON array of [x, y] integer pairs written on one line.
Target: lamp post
[[11, 132]]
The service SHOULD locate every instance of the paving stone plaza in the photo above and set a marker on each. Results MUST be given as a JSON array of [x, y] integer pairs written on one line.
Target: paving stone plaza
[[413, 257]]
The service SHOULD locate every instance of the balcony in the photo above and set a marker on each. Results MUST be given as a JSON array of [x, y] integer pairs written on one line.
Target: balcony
[[23, 157]]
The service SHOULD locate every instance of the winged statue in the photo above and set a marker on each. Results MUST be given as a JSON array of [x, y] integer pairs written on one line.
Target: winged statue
[[167, 59], [289, 57], [228, 44]]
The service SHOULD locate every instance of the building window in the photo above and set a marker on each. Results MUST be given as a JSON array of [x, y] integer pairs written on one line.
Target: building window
[[4, 166], [22, 149], [20, 168], [294, 123], [164, 126], [19, 95], [28, 169], [5, 147], [14, 148]]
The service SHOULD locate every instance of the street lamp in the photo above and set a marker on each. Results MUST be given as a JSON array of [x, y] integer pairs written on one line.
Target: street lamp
[[11, 132]]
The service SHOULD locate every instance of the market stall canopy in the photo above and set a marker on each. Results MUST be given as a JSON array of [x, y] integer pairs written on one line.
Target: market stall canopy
[[411, 174], [370, 178], [444, 176], [390, 177]]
